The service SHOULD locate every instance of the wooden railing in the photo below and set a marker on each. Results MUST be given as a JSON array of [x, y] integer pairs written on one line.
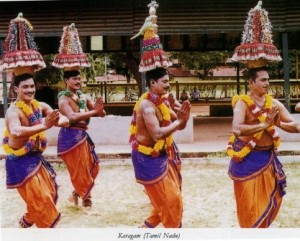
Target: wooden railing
[[120, 98], [211, 92]]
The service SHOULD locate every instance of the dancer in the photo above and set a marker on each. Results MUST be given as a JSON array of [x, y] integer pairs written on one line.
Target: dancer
[[154, 154], [74, 144], [24, 137], [257, 174]]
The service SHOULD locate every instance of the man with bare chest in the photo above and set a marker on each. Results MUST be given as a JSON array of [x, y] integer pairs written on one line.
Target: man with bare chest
[[155, 156], [74, 144], [24, 141], [258, 177]]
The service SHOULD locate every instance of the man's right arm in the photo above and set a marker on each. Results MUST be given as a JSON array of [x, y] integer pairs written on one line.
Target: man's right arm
[[153, 126], [155, 130], [16, 129], [66, 110], [239, 126]]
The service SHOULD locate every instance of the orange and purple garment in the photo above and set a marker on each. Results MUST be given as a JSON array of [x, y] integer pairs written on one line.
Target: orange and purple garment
[[34, 179], [78, 152], [162, 182], [259, 183]]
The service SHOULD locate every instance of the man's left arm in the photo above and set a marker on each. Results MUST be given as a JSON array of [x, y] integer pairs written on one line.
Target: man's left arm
[[285, 120], [175, 106], [185, 107], [90, 105]]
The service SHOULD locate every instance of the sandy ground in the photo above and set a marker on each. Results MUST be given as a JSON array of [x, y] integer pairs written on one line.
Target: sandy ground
[[119, 201]]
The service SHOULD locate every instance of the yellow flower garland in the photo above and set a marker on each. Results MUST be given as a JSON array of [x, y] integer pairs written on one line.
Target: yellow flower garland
[[32, 140], [25, 108], [160, 144], [239, 155]]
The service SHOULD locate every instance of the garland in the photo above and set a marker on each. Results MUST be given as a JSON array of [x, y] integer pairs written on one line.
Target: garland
[[81, 102], [261, 116], [35, 117], [161, 104]]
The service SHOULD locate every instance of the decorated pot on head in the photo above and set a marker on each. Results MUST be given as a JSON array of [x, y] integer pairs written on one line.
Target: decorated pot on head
[[152, 56], [20, 51], [70, 56], [257, 48]]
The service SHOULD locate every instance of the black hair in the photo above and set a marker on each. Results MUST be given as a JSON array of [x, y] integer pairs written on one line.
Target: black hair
[[19, 78], [155, 74], [250, 74], [71, 73]]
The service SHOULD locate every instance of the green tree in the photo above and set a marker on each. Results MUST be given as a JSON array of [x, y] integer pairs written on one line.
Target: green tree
[[294, 63], [127, 64], [49, 75], [202, 62], [276, 69], [97, 66]]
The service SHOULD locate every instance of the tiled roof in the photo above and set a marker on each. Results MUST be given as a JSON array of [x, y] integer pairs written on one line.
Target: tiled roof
[[180, 72], [225, 71], [111, 78]]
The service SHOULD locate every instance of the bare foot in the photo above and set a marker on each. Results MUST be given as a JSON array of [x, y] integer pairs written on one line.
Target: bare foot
[[74, 198], [87, 207]]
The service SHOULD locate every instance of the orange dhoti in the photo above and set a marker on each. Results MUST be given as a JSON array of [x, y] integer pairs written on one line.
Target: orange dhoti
[[162, 183], [82, 163], [38, 193], [82, 168], [166, 199], [258, 200], [258, 192], [34, 179]]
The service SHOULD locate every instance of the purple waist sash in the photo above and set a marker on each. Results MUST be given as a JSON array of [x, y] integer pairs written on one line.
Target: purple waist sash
[[256, 162], [148, 169], [251, 164], [20, 169], [68, 138]]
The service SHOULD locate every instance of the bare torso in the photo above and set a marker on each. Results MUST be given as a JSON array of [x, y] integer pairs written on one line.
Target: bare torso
[[72, 102], [143, 136], [265, 140], [17, 142]]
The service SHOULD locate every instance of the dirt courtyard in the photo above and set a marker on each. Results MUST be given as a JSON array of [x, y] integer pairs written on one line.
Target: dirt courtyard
[[119, 201]]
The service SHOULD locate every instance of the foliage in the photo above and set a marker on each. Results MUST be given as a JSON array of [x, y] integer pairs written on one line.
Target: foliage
[[122, 63], [202, 62], [49, 75], [117, 62], [292, 58], [276, 69], [97, 66], [126, 63], [52, 75]]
